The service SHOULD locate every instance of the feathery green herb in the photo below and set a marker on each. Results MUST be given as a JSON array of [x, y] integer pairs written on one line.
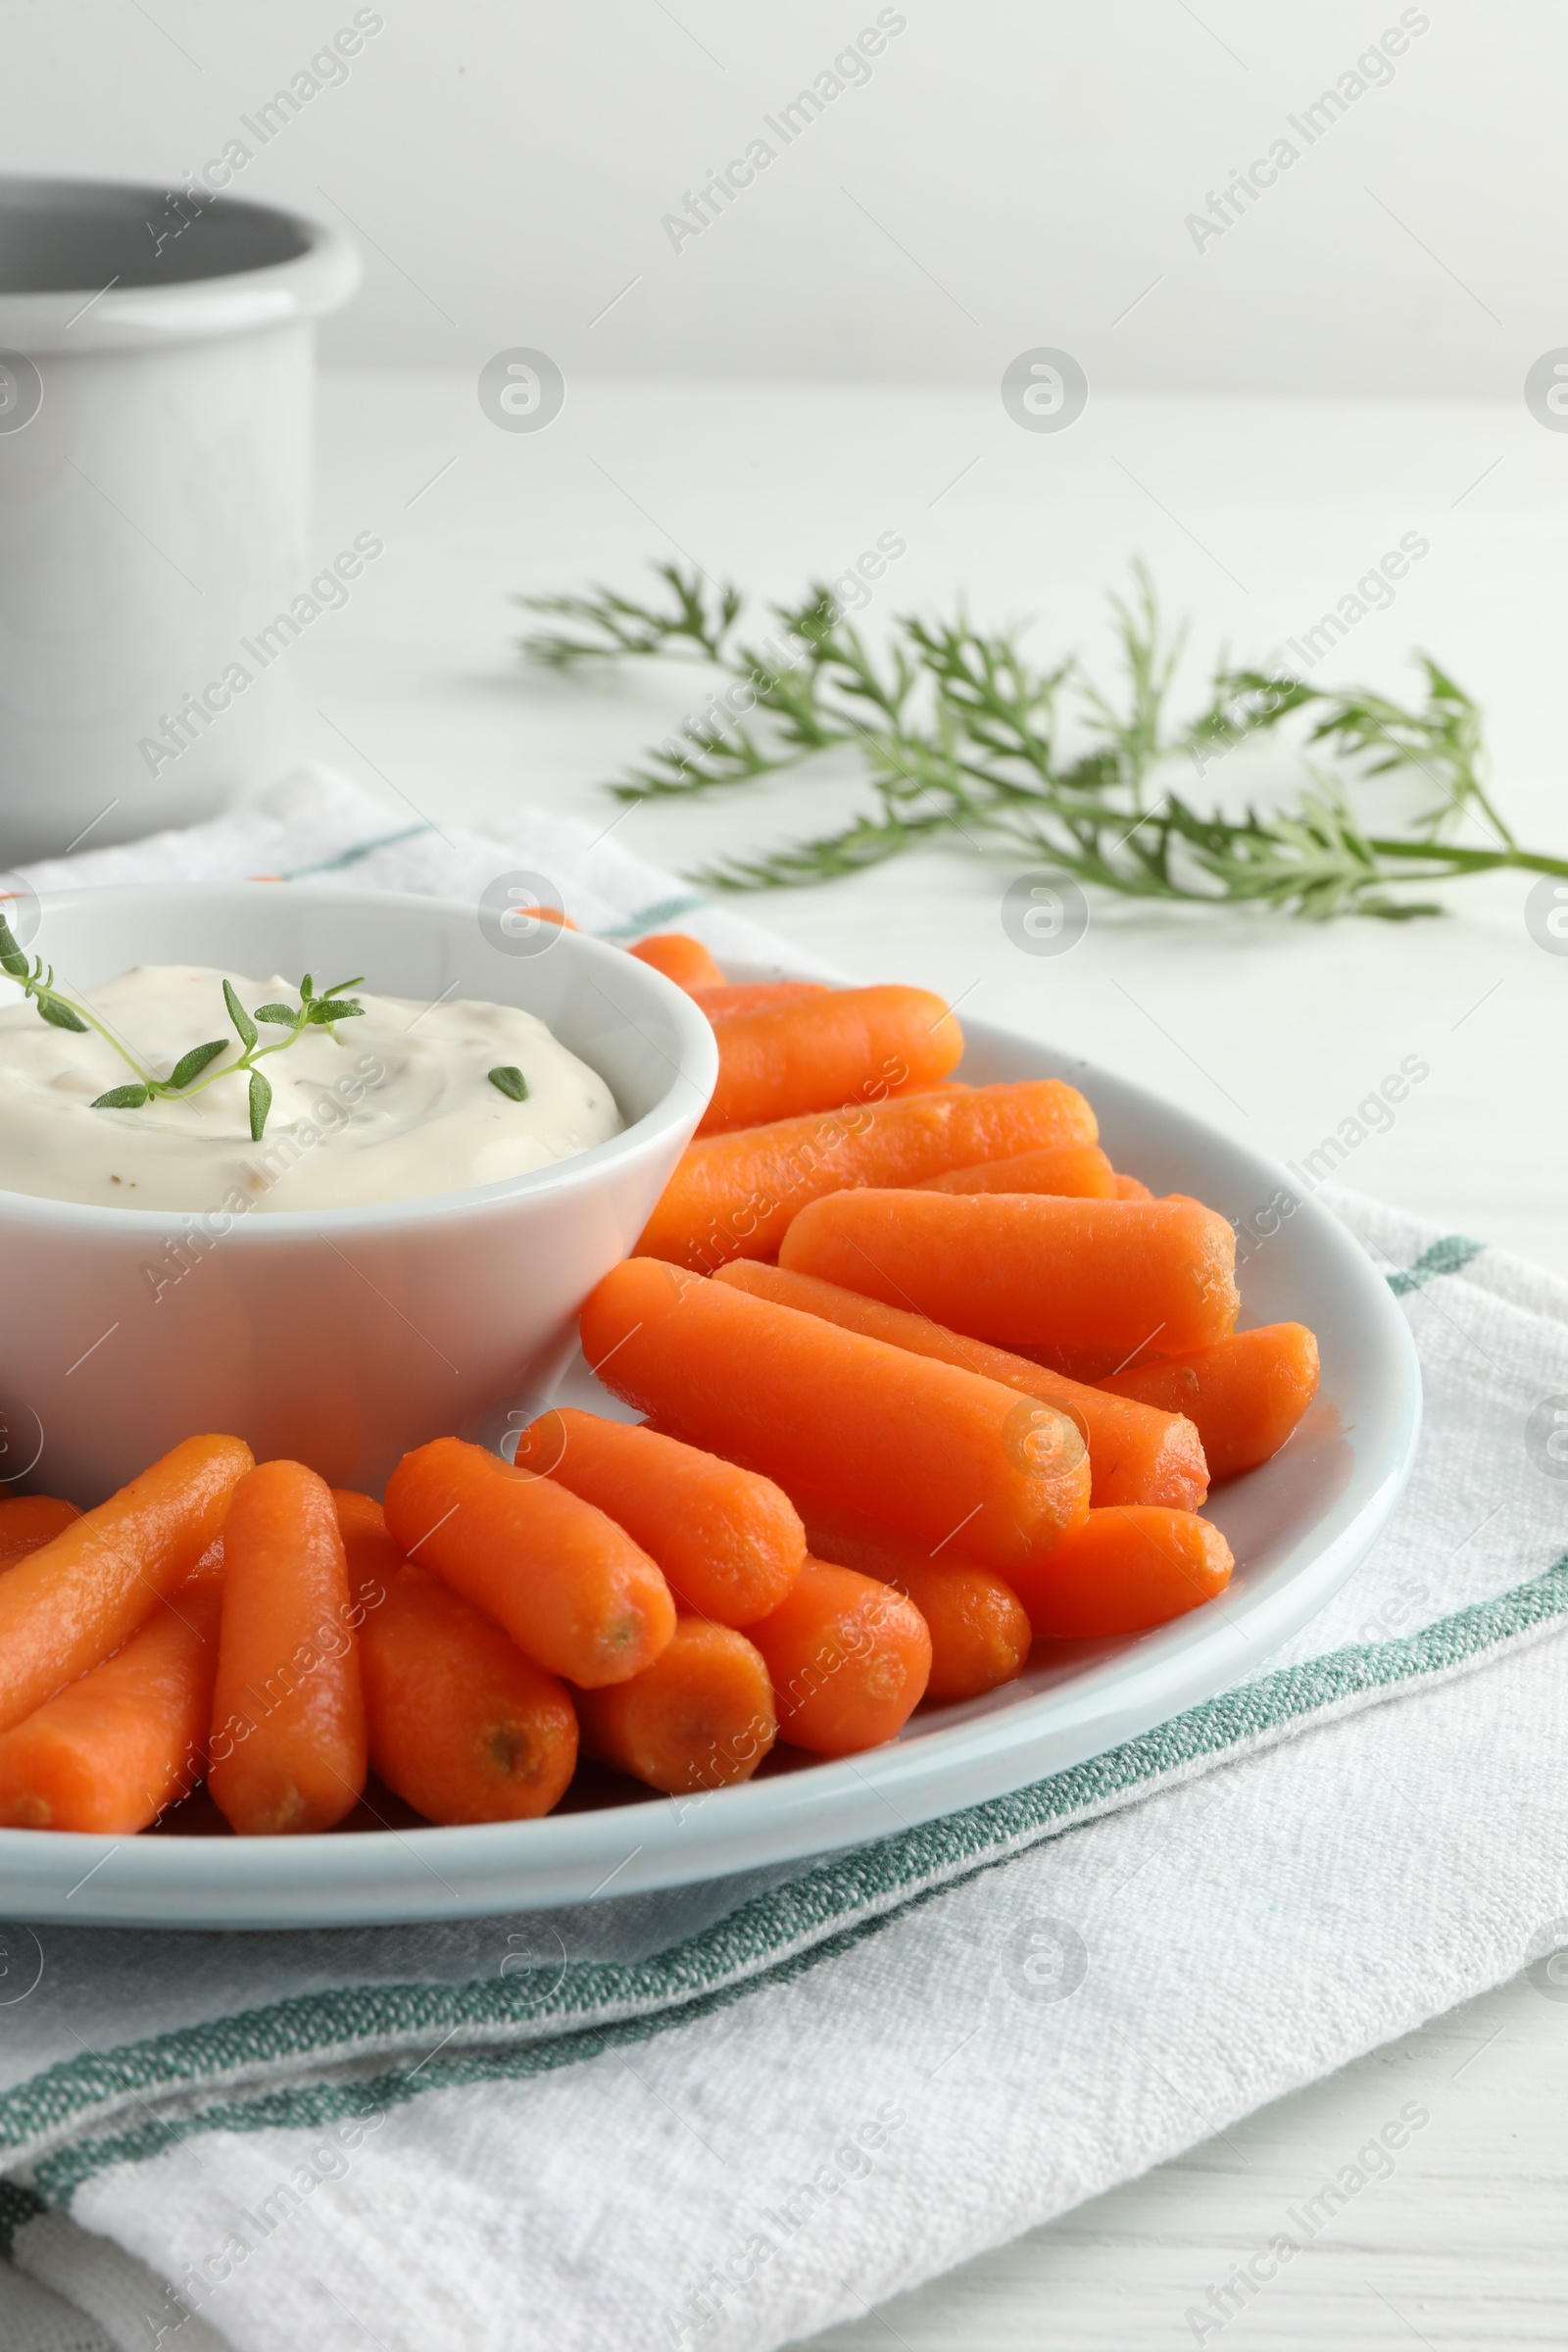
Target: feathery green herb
[[191, 1074], [961, 733]]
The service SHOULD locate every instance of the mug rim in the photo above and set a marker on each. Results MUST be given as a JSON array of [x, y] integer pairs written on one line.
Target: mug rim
[[316, 277]]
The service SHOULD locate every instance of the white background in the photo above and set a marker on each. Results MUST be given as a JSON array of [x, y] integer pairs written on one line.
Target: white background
[[1013, 173], [1344, 366]]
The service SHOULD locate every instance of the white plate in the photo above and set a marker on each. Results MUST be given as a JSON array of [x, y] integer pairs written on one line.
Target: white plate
[[1299, 1526]]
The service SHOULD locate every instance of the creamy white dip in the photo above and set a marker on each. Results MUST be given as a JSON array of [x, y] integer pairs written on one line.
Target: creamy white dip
[[391, 1106]]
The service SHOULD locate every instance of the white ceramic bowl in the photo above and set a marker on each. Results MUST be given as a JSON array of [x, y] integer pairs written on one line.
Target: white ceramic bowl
[[339, 1336]]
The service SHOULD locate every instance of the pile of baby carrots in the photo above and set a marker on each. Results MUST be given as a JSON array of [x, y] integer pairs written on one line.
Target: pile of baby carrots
[[923, 1379]]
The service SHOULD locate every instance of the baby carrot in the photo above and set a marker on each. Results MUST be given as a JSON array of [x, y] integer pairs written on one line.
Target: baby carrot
[[570, 1586], [1123, 1571], [1128, 1188], [828, 1049], [729, 1543], [725, 1000], [209, 1567], [700, 1716], [980, 1633], [77, 1598], [853, 1422], [1031, 1268], [733, 1196], [1244, 1395], [684, 960], [848, 1659], [1080, 1170], [27, 1521], [371, 1556], [1137, 1453], [288, 1710], [461, 1724], [109, 1751]]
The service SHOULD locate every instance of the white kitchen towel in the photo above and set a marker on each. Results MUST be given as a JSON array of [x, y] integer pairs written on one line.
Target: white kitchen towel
[[729, 2116], [317, 826]]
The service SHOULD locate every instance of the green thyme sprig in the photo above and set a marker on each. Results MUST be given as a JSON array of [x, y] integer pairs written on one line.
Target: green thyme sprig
[[960, 732], [192, 1073]]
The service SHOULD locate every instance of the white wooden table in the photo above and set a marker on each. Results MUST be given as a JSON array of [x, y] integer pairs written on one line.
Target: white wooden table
[[1255, 517]]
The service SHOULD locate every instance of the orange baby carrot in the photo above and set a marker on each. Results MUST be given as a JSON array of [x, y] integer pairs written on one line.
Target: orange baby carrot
[[77, 1598], [733, 1196], [729, 1543], [725, 1000], [1122, 1571], [828, 1049], [1088, 1366], [461, 1724], [28, 1519], [849, 1659], [109, 1751], [1244, 1395], [568, 1584], [1031, 1268], [1137, 1453], [288, 1709], [1128, 1188], [980, 1632], [684, 960], [700, 1716], [371, 1556], [1079, 1170], [856, 1424], [209, 1569]]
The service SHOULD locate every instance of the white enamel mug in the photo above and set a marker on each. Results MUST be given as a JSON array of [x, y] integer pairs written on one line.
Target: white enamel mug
[[156, 377]]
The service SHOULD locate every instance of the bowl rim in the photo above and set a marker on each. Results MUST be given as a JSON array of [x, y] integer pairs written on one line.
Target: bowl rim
[[697, 1068], [303, 286]]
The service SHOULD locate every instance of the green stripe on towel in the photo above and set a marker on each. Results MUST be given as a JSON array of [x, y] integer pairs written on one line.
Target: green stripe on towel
[[17, 2205], [361, 848], [654, 918], [1450, 1256]]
